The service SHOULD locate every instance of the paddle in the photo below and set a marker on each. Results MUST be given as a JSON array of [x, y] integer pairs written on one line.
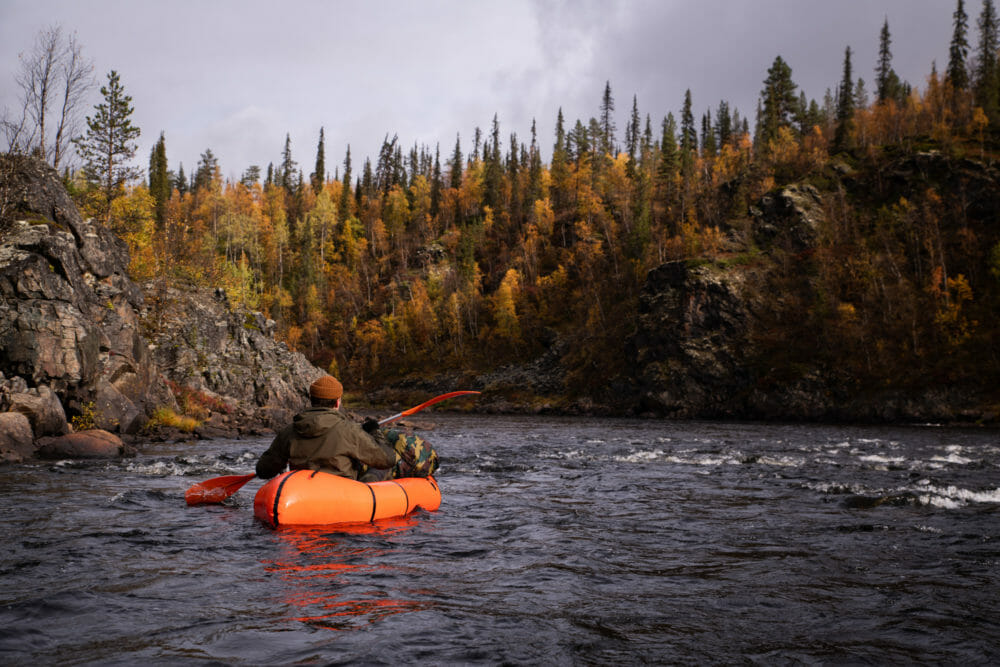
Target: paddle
[[217, 489]]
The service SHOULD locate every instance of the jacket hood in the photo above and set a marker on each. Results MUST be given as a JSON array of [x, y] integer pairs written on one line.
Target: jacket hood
[[313, 422]]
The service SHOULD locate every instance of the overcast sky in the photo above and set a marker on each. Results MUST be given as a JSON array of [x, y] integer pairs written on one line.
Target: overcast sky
[[236, 76]]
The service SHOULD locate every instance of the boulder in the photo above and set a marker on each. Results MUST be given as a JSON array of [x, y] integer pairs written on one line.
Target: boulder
[[91, 444], [16, 441], [42, 408]]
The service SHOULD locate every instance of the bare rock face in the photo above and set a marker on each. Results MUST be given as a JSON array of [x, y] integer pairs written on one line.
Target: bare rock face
[[691, 341], [203, 344], [790, 217], [69, 314]]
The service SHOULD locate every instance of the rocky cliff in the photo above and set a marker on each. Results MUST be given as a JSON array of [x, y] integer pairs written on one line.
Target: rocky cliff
[[73, 331], [227, 354]]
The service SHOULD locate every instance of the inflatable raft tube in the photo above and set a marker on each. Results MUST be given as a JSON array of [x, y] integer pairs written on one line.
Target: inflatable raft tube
[[307, 497]]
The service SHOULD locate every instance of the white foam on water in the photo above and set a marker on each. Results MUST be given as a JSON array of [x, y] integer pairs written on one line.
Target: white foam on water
[[952, 458], [878, 458], [783, 461]]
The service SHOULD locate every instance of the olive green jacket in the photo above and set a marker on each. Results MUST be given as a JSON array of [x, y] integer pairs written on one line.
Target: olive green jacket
[[323, 439]]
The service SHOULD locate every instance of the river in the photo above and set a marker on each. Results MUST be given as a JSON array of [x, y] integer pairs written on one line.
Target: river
[[559, 541]]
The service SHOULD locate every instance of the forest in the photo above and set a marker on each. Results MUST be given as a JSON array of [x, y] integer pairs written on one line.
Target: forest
[[479, 255]]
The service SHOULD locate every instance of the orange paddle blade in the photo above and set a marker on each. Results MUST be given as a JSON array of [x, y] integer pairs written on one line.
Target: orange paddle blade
[[215, 490], [436, 399]]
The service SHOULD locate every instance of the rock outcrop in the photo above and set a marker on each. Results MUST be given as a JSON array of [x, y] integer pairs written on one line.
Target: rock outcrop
[[74, 341], [228, 354], [69, 314], [690, 348]]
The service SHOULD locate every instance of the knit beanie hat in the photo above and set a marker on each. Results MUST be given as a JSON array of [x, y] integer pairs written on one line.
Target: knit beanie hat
[[327, 387]]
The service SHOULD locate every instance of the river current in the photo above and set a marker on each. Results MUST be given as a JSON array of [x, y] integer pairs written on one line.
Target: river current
[[559, 541]]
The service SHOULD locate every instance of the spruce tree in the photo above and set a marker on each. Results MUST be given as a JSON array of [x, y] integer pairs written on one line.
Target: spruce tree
[[632, 135], [723, 124], [159, 180], [689, 134], [455, 166], [845, 106], [534, 168], [286, 173], [319, 176], [957, 75], [109, 143], [181, 183], [436, 182], [607, 138], [345, 190], [986, 69]]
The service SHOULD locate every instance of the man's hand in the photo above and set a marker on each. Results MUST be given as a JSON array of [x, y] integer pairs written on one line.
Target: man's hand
[[370, 425]]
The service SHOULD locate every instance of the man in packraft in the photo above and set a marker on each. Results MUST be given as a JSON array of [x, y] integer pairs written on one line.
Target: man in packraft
[[323, 438]]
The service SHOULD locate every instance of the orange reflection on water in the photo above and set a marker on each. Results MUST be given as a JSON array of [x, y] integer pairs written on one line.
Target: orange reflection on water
[[320, 562]]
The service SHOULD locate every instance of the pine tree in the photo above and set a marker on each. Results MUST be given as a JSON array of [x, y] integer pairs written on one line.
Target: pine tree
[[109, 143], [159, 180], [207, 167], [845, 106], [779, 102], [319, 176], [957, 75], [986, 69]]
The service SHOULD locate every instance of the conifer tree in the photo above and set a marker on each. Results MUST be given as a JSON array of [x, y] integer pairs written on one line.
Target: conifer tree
[[560, 164], [845, 106], [957, 75], [455, 166], [708, 144], [632, 135], [109, 143], [319, 176], [436, 183], [607, 138], [887, 82], [159, 180], [286, 172], [493, 170], [181, 183], [207, 167], [345, 190], [986, 68], [689, 135], [779, 102], [723, 124], [534, 168]]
